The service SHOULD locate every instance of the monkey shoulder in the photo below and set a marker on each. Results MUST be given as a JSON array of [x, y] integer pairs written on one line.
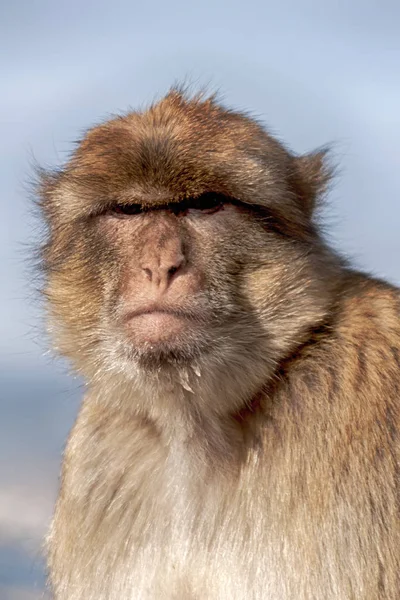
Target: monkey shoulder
[[363, 328], [369, 317], [358, 362], [353, 363]]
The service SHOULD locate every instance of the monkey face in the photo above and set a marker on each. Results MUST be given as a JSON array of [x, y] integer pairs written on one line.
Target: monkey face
[[178, 293], [182, 236]]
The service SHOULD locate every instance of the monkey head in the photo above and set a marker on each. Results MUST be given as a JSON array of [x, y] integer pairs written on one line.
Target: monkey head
[[182, 245]]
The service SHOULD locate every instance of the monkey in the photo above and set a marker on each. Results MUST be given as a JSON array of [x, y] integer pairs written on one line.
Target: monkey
[[239, 435]]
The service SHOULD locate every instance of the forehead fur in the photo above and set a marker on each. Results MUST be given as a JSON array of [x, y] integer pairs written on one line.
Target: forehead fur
[[179, 147]]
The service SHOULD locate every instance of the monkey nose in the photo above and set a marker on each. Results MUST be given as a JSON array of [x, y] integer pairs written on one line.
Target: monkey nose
[[160, 271]]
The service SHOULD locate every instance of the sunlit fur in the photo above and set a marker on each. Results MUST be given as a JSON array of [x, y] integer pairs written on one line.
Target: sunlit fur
[[255, 455]]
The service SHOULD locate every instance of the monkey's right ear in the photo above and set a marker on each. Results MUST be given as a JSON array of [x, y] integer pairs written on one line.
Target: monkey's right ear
[[311, 176]]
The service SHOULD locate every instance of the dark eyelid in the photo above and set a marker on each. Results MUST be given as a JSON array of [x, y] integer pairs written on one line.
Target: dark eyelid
[[207, 201], [126, 209]]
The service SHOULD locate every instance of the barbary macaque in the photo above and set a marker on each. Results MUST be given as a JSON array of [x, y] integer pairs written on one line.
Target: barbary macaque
[[239, 438]]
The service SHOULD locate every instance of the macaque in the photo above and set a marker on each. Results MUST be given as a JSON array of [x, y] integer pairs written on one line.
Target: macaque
[[239, 437]]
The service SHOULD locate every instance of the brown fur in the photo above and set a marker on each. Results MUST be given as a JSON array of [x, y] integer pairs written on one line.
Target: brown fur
[[255, 455]]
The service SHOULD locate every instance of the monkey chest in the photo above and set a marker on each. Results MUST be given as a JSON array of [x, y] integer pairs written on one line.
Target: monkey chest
[[211, 546]]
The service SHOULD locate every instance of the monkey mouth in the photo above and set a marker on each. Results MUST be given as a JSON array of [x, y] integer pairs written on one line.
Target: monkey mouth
[[154, 326]]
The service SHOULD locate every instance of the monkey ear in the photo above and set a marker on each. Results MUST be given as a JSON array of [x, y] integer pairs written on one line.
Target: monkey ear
[[312, 174]]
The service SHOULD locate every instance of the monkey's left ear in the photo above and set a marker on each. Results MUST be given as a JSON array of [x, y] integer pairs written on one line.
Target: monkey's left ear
[[311, 177]]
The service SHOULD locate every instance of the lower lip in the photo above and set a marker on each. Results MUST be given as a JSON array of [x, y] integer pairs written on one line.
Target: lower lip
[[156, 326]]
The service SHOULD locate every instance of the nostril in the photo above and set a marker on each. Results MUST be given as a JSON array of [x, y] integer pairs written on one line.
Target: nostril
[[148, 273], [172, 271], [176, 266]]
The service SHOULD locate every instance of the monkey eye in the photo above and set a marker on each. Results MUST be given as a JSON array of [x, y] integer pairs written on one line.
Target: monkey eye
[[127, 209], [206, 203]]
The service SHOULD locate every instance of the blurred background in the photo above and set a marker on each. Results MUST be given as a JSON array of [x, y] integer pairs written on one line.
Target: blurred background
[[314, 72]]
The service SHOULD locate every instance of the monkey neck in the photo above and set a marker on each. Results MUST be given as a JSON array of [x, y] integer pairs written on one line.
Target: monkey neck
[[194, 420]]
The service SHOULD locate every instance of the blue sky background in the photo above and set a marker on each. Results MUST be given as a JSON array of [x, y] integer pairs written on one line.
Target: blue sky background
[[314, 72]]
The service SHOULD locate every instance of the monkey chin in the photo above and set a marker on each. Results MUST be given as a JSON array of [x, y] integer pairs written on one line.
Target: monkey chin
[[160, 340]]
